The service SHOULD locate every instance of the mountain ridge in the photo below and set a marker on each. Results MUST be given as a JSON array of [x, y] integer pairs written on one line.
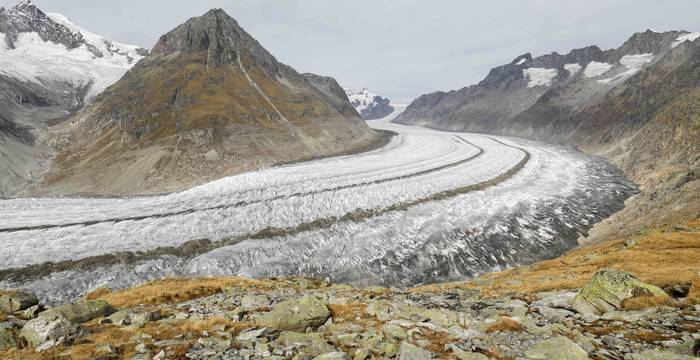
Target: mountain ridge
[[601, 103]]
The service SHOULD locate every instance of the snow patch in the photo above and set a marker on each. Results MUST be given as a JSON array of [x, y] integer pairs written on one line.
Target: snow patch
[[633, 63], [595, 68], [522, 61], [687, 37], [540, 76], [573, 69]]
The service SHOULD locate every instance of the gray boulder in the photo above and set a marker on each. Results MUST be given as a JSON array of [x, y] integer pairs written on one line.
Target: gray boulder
[[408, 351], [556, 348], [17, 301], [81, 311], [296, 315], [47, 331]]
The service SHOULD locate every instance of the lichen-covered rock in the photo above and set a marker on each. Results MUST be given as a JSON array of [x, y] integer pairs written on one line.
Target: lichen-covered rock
[[8, 339], [313, 343], [394, 332], [133, 317], [408, 351], [336, 355], [556, 348], [82, 311], [17, 301], [47, 330], [609, 288], [297, 315]]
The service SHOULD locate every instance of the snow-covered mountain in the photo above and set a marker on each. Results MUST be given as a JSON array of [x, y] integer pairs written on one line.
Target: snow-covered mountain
[[49, 68], [49, 48], [370, 105]]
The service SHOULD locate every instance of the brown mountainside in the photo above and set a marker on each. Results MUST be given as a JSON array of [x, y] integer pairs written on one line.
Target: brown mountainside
[[209, 101]]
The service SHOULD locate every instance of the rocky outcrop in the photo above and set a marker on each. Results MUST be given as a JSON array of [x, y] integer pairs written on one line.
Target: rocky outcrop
[[47, 331], [609, 289], [81, 311], [341, 322], [17, 301], [208, 101]]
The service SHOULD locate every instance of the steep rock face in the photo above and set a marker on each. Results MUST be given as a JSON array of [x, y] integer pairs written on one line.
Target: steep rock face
[[49, 68], [370, 105], [633, 104], [207, 102]]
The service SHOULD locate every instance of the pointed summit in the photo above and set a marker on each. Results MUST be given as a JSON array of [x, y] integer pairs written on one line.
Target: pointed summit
[[216, 33], [208, 101]]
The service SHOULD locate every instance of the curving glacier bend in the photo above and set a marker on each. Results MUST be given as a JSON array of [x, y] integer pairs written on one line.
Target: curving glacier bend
[[430, 206]]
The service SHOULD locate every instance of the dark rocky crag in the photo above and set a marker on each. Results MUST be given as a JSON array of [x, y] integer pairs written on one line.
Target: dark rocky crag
[[646, 121], [207, 102]]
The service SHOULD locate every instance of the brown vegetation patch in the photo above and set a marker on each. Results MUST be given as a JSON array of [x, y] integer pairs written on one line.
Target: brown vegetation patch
[[505, 323], [664, 258], [98, 293], [170, 291], [643, 302], [348, 312], [650, 336]]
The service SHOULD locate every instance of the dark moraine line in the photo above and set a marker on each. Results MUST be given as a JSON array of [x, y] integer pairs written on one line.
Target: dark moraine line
[[194, 248], [245, 203]]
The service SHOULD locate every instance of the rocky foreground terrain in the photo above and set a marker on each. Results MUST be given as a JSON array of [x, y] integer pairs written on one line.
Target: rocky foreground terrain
[[633, 298]]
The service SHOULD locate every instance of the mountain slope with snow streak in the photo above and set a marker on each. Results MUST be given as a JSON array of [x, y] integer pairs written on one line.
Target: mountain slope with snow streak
[[415, 207]]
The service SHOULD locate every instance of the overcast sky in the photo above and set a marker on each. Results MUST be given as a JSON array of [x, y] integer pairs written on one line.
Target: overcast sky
[[398, 48]]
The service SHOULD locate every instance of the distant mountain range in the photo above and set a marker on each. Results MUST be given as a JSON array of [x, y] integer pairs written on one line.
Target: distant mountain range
[[370, 105], [208, 101], [636, 105]]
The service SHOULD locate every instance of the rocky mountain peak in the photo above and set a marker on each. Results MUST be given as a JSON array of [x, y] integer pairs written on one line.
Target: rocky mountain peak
[[26, 17], [215, 32], [647, 42]]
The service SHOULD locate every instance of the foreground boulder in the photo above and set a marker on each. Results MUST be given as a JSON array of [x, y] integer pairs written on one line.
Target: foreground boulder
[[297, 315], [82, 311], [556, 348], [48, 330], [610, 288], [17, 301]]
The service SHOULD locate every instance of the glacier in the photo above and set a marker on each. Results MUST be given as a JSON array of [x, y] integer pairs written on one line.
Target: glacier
[[429, 206]]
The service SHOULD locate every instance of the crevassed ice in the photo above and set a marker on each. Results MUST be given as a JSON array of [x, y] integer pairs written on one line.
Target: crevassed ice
[[540, 76], [686, 37], [596, 68]]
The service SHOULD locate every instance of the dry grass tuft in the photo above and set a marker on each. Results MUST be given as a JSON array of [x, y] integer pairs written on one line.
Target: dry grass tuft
[[348, 312], [98, 293], [505, 324], [643, 302], [170, 291]]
